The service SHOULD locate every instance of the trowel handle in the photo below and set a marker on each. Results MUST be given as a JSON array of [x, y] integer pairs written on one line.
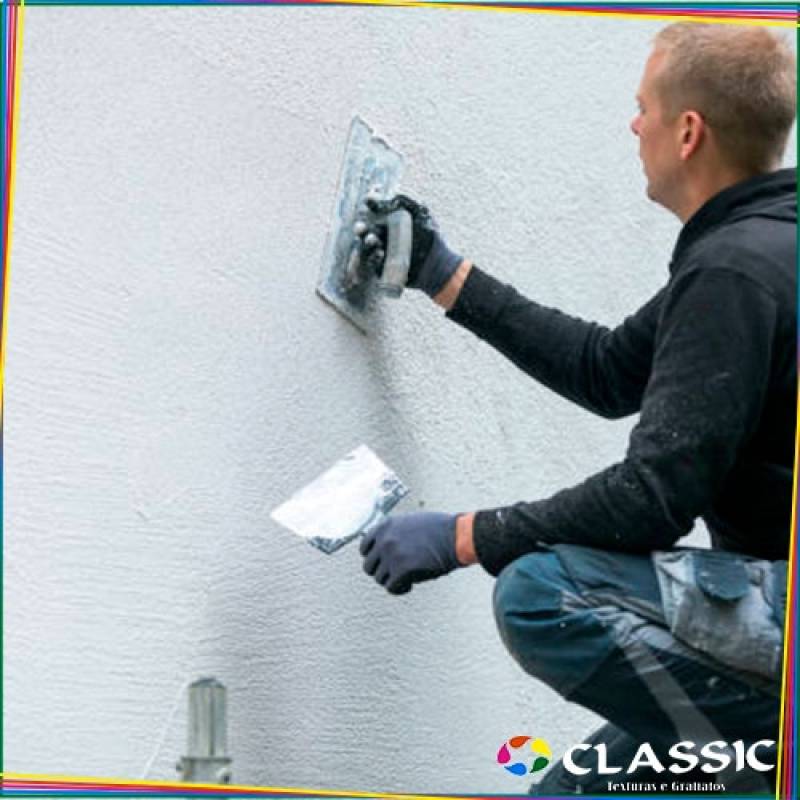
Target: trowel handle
[[399, 233]]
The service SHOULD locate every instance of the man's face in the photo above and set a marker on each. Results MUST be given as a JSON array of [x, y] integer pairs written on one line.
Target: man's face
[[659, 141]]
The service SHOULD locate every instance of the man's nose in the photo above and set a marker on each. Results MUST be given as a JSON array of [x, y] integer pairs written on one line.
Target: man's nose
[[635, 125]]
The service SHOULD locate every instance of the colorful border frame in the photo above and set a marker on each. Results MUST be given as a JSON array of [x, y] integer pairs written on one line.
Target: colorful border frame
[[785, 15]]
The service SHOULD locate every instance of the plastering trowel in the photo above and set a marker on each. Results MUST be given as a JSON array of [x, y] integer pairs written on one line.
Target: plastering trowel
[[371, 169]]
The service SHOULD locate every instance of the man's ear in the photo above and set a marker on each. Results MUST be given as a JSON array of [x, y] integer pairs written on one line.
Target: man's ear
[[692, 132]]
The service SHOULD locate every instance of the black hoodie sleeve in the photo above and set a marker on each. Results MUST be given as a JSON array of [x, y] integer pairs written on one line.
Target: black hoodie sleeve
[[701, 405], [603, 370]]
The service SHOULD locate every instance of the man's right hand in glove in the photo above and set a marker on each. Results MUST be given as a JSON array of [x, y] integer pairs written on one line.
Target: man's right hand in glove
[[433, 265]]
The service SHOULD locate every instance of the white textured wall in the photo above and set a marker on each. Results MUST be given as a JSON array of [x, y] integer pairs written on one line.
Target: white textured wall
[[172, 376]]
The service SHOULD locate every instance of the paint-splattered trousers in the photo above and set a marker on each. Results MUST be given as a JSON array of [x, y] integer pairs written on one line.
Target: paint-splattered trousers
[[673, 647]]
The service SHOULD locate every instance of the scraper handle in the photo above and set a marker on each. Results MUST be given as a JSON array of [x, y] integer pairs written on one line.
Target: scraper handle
[[399, 235]]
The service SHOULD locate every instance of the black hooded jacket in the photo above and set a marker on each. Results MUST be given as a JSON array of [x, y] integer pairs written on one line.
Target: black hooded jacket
[[709, 362]]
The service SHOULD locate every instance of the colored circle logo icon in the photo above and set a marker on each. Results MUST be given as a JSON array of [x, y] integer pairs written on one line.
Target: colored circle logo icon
[[522, 755]]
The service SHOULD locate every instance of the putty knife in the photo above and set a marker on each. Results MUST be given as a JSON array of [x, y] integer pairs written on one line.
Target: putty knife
[[346, 501]]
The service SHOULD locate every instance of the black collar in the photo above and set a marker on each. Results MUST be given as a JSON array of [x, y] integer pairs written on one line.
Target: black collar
[[746, 194]]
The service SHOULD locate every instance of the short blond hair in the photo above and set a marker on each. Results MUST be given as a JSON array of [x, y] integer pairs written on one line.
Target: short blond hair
[[743, 81]]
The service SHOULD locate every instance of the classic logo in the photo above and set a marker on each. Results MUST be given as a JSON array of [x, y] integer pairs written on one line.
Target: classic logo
[[522, 755]]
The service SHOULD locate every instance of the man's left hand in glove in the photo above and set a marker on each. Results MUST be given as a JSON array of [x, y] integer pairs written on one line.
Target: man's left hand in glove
[[410, 548]]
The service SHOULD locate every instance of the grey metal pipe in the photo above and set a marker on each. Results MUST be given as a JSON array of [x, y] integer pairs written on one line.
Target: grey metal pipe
[[207, 759]]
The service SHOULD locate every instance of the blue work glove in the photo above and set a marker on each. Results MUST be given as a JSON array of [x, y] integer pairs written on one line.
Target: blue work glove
[[410, 548], [432, 262]]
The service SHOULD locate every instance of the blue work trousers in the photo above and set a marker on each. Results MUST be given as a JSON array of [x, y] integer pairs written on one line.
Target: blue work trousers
[[590, 624]]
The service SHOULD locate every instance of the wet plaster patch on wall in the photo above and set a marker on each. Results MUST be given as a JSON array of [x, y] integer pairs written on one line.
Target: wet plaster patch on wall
[[172, 376]]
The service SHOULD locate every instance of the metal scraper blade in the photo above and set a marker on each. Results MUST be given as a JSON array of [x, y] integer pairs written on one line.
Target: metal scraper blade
[[371, 167]]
